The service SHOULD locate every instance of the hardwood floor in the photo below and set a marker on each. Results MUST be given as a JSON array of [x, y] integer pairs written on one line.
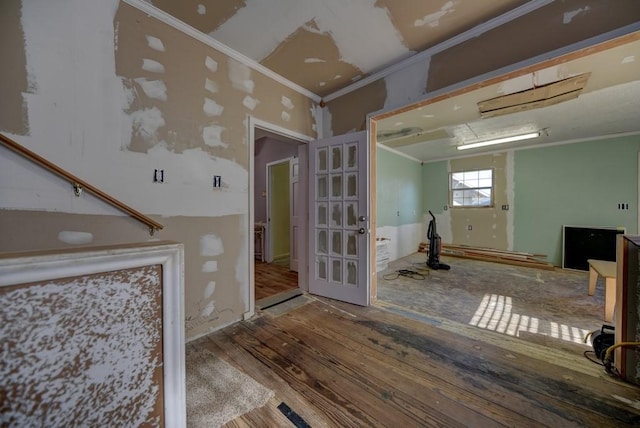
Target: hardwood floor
[[336, 364], [272, 279]]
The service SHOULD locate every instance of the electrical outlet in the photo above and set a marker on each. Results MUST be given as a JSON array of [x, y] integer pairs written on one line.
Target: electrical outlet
[[623, 206], [217, 181], [158, 175], [469, 227], [505, 208], [446, 207]]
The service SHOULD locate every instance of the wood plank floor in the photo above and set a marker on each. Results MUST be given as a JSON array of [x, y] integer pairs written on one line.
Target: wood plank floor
[[271, 278], [336, 364]]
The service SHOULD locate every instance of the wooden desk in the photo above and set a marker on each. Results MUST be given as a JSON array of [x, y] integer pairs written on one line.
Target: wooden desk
[[607, 270]]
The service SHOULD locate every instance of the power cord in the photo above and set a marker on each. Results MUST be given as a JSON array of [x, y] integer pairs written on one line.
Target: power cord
[[406, 273]]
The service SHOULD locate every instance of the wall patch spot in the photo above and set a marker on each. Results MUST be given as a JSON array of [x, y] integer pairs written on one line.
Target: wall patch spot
[[211, 245], [285, 116], [240, 76], [313, 60], [75, 238], [211, 135], [208, 309], [147, 122], [210, 266], [250, 102], [209, 289], [211, 64], [202, 9], [433, 19], [211, 86], [152, 66], [286, 102], [155, 43], [628, 59], [212, 108], [155, 89], [568, 16]]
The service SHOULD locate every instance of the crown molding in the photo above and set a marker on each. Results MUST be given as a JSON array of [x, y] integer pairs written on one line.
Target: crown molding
[[164, 17], [476, 31]]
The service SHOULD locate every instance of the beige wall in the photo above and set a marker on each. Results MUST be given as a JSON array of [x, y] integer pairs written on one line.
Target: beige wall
[[115, 95], [490, 225]]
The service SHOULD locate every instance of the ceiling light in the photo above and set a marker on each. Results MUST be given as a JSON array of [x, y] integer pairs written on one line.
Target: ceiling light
[[499, 141]]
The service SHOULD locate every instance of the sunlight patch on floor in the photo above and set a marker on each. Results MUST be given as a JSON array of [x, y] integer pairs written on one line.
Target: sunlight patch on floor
[[495, 313]]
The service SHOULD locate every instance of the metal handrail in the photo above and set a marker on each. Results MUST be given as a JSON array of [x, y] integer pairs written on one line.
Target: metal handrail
[[78, 184]]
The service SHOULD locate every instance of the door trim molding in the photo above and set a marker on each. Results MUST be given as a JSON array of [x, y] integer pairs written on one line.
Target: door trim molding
[[253, 123]]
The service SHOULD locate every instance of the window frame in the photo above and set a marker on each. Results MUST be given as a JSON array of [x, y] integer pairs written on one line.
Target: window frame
[[492, 188]]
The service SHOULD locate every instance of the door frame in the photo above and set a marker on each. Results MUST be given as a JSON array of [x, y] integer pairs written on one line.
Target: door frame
[[269, 205], [252, 124]]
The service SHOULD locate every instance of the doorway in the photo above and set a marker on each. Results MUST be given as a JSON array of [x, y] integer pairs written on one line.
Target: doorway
[[275, 151]]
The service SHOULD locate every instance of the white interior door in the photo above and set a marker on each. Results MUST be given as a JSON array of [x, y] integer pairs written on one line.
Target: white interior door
[[339, 218], [294, 226]]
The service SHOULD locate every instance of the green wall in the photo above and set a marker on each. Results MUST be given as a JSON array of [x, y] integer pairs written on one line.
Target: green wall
[[574, 184], [435, 176], [399, 190], [280, 209]]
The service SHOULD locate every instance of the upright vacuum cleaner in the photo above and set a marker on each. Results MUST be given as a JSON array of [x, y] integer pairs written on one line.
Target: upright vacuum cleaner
[[435, 245]]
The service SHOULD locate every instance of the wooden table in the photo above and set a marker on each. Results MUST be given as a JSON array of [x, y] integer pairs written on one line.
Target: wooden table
[[607, 270]]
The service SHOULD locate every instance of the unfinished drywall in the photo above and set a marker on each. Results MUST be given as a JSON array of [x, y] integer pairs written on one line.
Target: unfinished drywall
[[349, 112], [425, 24], [577, 184], [487, 55], [399, 209], [550, 27], [204, 15], [119, 95], [14, 82], [354, 35], [322, 70], [435, 198], [85, 350], [486, 226]]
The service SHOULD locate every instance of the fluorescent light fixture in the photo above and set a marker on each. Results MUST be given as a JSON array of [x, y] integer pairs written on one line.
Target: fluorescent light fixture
[[499, 141]]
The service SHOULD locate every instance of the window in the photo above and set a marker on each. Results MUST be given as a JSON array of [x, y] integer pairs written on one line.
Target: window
[[471, 188]]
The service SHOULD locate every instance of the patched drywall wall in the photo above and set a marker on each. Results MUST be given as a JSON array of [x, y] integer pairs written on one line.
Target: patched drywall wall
[[118, 95], [487, 226], [551, 27], [14, 83], [399, 191], [184, 95], [349, 112], [84, 351], [435, 22]]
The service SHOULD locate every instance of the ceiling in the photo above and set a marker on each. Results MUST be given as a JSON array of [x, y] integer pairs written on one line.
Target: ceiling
[[608, 105], [326, 45]]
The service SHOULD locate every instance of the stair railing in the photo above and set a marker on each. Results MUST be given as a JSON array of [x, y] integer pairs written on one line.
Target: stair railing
[[78, 184]]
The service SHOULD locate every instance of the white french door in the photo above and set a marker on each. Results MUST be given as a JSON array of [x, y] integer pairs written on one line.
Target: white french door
[[294, 207], [339, 218]]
